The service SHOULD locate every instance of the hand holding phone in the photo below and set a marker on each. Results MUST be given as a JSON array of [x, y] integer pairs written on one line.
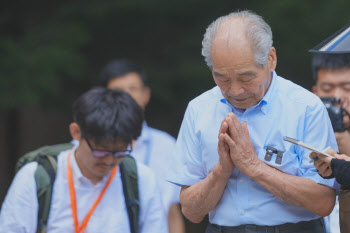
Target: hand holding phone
[[300, 143]]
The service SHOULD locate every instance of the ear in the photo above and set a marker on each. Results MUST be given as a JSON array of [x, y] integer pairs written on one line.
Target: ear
[[314, 89], [75, 132], [272, 59], [146, 95]]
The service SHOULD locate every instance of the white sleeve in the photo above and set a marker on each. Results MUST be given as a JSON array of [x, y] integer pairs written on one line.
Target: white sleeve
[[20, 208], [153, 218]]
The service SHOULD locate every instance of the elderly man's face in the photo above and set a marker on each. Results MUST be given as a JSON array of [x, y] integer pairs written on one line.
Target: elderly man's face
[[241, 81]]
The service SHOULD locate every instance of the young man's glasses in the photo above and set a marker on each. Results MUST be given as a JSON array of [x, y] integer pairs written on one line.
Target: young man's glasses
[[115, 154]]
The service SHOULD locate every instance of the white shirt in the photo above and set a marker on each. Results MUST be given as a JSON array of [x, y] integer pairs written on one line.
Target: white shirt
[[154, 148], [20, 208]]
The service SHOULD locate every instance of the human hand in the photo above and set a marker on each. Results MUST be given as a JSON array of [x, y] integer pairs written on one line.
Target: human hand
[[323, 163], [241, 148], [225, 165]]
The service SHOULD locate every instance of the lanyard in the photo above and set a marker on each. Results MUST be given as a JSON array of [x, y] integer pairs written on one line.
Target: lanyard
[[73, 199]]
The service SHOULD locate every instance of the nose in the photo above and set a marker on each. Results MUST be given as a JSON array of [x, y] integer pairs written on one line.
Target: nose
[[236, 90], [108, 159], [338, 93]]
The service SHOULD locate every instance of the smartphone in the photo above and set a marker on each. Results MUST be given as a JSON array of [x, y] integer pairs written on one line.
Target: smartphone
[[300, 143]]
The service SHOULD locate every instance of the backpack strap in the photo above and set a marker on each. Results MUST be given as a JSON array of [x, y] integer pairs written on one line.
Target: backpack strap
[[45, 175], [128, 171]]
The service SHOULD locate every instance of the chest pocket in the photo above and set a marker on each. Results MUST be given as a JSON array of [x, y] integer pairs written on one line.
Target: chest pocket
[[286, 161]]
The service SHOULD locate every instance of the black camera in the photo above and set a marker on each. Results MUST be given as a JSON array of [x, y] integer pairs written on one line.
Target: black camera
[[336, 112]]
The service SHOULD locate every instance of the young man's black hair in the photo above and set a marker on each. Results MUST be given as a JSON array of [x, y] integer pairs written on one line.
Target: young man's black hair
[[120, 67], [105, 115], [329, 61]]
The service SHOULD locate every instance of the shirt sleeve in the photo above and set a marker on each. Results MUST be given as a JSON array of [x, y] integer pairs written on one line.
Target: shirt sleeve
[[341, 171], [188, 166], [20, 208], [318, 133], [152, 213]]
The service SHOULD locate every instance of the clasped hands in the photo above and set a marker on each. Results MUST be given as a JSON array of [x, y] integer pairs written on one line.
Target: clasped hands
[[235, 148]]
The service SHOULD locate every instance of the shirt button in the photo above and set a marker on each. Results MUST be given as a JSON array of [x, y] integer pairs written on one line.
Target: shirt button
[[241, 180], [263, 108], [242, 212], [246, 119]]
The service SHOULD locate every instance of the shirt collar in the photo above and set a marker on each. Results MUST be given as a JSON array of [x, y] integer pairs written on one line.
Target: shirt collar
[[144, 133], [78, 176], [262, 103]]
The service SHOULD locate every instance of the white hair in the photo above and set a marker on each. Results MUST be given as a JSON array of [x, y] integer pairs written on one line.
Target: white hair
[[258, 32]]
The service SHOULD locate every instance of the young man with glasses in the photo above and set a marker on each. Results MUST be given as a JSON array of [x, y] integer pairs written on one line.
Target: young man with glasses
[[154, 147], [88, 190]]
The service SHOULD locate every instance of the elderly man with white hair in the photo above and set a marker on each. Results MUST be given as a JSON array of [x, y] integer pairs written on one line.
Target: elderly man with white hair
[[231, 159]]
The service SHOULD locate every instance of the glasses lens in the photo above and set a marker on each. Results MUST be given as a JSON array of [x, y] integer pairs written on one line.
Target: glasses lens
[[121, 154], [99, 154]]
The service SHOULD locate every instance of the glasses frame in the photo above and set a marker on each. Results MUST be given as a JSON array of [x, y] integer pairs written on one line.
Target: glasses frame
[[115, 154]]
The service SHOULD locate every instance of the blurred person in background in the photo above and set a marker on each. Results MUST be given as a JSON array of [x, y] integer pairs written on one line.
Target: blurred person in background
[[331, 72], [154, 147]]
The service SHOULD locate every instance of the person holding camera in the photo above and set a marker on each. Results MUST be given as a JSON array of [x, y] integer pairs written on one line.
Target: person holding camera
[[332, 75], [331, 71]]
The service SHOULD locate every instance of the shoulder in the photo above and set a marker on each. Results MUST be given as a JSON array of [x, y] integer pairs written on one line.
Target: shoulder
[[297, 95], [161, 136], [204, 104], [208, 97], [27, 171]]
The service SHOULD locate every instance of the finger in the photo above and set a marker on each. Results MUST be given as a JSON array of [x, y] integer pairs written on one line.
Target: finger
[[330, 151], [322, 168], [235, 128], [245, 128], [326, 173], [223, 127], [231, 144], [318, 163], [221, 143], [324, 158], [312, 155]]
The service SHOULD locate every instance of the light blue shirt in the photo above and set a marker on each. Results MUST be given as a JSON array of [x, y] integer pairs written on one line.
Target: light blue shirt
[[154, 149], [286, 110]]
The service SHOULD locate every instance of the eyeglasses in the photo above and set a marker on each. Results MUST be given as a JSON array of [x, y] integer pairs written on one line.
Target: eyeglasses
[[115, 154]]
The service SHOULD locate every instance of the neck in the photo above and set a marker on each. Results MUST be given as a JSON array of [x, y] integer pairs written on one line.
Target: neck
[[94, 179]]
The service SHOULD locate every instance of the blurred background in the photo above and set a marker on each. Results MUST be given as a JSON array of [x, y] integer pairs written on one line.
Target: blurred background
[[52, 51]]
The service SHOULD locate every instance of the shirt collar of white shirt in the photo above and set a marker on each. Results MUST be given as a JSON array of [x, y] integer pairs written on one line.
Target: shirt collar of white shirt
[[144, 137]]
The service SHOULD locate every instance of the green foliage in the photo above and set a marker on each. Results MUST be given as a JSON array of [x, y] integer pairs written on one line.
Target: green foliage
[[52, 52]]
